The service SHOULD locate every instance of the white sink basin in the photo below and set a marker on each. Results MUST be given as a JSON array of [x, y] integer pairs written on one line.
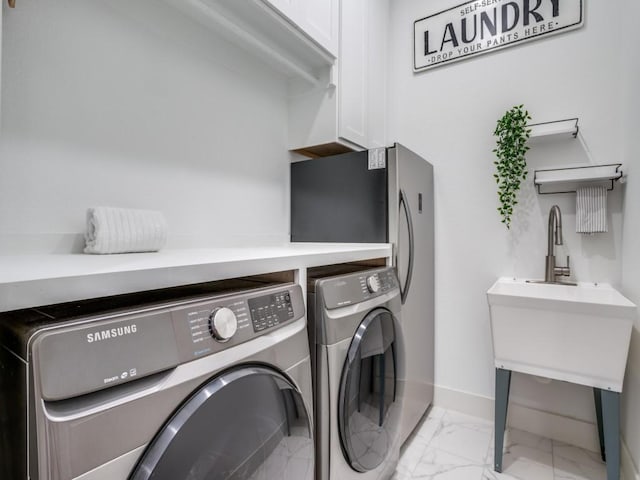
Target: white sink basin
[[579, 334]]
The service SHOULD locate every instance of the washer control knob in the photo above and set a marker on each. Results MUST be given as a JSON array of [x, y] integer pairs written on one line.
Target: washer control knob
[[373, 284], [223, 324]]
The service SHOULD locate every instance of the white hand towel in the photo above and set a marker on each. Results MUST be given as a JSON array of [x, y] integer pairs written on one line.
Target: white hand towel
[[122, 230], [591, 209]]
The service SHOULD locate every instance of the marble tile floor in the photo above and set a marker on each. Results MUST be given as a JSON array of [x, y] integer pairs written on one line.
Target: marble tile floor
[[452, 446]]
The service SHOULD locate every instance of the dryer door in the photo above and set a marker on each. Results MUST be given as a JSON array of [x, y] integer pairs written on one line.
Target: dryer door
[[249, 422], [368, 413]]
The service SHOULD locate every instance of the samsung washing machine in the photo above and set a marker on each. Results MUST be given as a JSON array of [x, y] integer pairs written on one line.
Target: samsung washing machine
[[354, 339], [205, 387]]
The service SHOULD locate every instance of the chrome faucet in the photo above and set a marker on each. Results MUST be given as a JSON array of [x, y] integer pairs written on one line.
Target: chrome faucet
[[551, 271]]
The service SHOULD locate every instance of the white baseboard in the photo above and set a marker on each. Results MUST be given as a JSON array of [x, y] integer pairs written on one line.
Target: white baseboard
[[629, 470], [464, 402], [550, 425]]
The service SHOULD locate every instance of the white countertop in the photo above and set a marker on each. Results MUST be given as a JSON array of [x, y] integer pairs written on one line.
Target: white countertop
[[44, 279]]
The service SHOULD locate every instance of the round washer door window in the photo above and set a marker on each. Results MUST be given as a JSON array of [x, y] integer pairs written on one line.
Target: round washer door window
[[248, 423], [368, 413]]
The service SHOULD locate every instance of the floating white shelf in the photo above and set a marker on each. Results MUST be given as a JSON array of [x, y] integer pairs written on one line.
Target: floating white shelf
[[30, 280], [566, 180], [558, 127]]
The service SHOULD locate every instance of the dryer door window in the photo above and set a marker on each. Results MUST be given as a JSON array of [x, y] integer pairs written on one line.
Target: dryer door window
[[247, 423], [368, 413]]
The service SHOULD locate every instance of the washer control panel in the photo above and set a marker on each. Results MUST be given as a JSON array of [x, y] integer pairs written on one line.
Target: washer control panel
[[270, 310], [206, 327]]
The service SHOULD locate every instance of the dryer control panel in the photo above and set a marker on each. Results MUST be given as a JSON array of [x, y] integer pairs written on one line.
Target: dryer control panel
[[358, 287]]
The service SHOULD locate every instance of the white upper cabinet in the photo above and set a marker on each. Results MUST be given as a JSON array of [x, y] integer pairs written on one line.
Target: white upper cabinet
[[348, 111], [377, 73], [317, 18], [297, 37], [1, 8], [352, 86], [285, 7], [363, 60]]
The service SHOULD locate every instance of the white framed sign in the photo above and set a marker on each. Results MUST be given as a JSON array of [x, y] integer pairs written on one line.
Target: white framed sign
[[481, 26]]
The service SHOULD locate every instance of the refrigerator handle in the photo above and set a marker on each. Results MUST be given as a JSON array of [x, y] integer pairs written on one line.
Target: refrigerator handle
[[407, 284]]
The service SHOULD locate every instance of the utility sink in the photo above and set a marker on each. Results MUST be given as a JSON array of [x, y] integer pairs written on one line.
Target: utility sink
[[578, 334]]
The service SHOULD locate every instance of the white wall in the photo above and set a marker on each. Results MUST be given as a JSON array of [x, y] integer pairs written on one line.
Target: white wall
[[631, 231], [448, 114], [130, 104], [3, 5]]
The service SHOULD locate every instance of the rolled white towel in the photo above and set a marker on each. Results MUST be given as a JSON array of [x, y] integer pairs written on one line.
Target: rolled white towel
[[122, 230]]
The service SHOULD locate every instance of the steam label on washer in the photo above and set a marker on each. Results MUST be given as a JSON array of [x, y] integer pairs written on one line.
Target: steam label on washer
[[130, 373]]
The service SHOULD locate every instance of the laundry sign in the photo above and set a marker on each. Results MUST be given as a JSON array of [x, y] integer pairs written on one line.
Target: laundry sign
[[482, 26]]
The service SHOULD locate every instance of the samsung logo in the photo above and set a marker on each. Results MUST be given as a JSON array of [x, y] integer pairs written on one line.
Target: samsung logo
[[100, 335]]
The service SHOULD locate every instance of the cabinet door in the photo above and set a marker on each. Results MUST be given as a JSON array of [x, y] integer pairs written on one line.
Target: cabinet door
[[1, 8], [353, 85], [356, 114], [287, 8], [321, 21], [316, 18], [377, 73]]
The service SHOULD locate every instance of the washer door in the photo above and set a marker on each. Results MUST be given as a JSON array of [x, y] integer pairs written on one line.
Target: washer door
[[367, 410], [247, 423]]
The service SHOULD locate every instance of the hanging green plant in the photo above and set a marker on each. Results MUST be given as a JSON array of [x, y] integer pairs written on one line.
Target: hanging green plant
[[511, 166]]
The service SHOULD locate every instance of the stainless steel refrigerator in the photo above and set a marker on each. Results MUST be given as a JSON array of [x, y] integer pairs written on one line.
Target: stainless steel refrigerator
[[380, 195]]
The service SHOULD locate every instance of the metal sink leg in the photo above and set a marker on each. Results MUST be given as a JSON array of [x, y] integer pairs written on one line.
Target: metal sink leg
[[503, 384], [608, 415]]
